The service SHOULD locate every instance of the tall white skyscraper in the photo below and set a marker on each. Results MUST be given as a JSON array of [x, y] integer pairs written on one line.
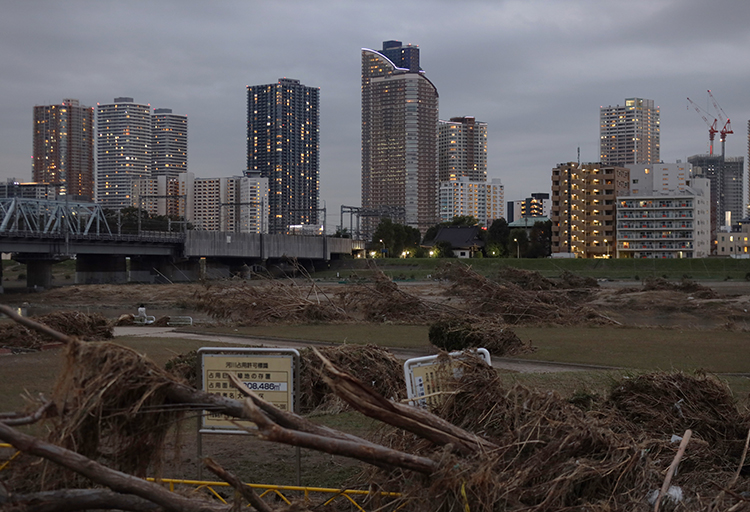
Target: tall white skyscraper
[[462, 149], [630, 133], [123, 149], [169, 148]]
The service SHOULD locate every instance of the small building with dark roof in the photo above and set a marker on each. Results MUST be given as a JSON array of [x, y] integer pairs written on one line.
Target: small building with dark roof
[[465, 241]]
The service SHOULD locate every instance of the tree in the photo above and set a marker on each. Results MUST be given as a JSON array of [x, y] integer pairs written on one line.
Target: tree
[[393, 239], [498, 233], [342, 233], [443, 249], [126, 221], [540, 240]]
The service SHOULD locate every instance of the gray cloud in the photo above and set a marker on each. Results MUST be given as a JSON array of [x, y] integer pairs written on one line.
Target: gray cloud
[[536, 71]]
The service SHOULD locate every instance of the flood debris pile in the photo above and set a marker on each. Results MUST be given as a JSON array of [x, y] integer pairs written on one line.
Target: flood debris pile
[[516, 304], [269, 301], [487, 446], [547, 454], [383, 301], [374, 365], [111, 407], [685, 286], [84, 326], [477, 332]]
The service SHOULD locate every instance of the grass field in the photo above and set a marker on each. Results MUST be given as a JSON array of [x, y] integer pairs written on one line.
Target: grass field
[[633, 348], [716, 269]]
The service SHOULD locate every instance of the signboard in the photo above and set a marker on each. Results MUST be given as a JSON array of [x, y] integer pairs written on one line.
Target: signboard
[[426, 379], [270, 373]]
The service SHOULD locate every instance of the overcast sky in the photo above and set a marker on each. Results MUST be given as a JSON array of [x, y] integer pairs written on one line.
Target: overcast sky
[[535, 71]]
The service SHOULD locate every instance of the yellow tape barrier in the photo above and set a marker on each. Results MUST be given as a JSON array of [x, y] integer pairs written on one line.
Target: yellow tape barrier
[[263, 490]]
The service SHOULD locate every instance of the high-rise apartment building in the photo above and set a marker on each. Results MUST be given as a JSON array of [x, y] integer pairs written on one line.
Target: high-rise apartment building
[[237, 204], [283, 147], [462, 149], [63, 152], [482, 200], [399, 137], [583, 207], [169, 155], [630, 133], [727, 187], [665, 214], [123, 150], [538, 205]]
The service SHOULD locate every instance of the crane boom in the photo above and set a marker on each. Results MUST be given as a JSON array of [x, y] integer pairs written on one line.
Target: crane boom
[[712, 131], [727, 128]]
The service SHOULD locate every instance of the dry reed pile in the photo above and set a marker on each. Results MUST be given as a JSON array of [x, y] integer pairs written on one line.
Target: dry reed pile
[[85, 326], [383, 301], [516, 304], [685, 285], [269, 301], [111, 407], [552, 455], [376, 366]]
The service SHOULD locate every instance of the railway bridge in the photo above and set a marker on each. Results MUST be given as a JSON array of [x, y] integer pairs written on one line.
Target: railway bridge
[[41, 233]]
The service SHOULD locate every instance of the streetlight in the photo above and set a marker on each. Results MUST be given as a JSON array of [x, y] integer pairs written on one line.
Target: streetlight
[[605, 243], [518, 249], [383, 251]]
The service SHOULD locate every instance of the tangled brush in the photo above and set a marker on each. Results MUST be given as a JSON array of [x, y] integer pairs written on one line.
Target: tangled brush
[[374, 365], [112, 408], [515, 304], [384, 301], [551, 455], [84, 326], [267, 302]]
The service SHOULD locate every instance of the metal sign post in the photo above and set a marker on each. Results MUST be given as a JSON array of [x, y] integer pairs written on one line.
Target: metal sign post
[[424, 382], [272, 373]]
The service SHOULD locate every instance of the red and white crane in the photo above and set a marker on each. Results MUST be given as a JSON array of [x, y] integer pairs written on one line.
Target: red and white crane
[[712, 131], [727, 128]]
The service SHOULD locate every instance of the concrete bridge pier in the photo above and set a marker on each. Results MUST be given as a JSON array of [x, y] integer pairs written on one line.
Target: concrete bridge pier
[[100, 269], [38, 269], [39, 274], [151, 269], [186, 270]]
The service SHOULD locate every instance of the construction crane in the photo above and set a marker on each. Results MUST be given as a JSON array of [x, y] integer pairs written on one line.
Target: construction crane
[[712, 131], [727, 128]]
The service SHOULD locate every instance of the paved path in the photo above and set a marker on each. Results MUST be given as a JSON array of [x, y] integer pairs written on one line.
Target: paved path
[[503, 363]]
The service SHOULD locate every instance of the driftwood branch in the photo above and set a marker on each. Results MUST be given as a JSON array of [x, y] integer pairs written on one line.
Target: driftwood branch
[[69, 500], [30, 418], [26, 322], [412, 419], [372, 454], [100, 474], [673, 468], [290, 420], [248, 493]]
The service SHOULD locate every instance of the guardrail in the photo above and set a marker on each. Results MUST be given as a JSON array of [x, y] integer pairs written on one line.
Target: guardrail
[[265, 490], [329, 495]]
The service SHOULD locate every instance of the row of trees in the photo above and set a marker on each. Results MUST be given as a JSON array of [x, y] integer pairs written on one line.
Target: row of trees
[[394, 240], [129, 220]]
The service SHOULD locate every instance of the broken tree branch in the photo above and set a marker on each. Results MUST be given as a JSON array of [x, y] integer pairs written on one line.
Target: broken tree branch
[[248, 493], [98, 473], [412, 419], [30, 418], [69, 500], [372, 454]]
